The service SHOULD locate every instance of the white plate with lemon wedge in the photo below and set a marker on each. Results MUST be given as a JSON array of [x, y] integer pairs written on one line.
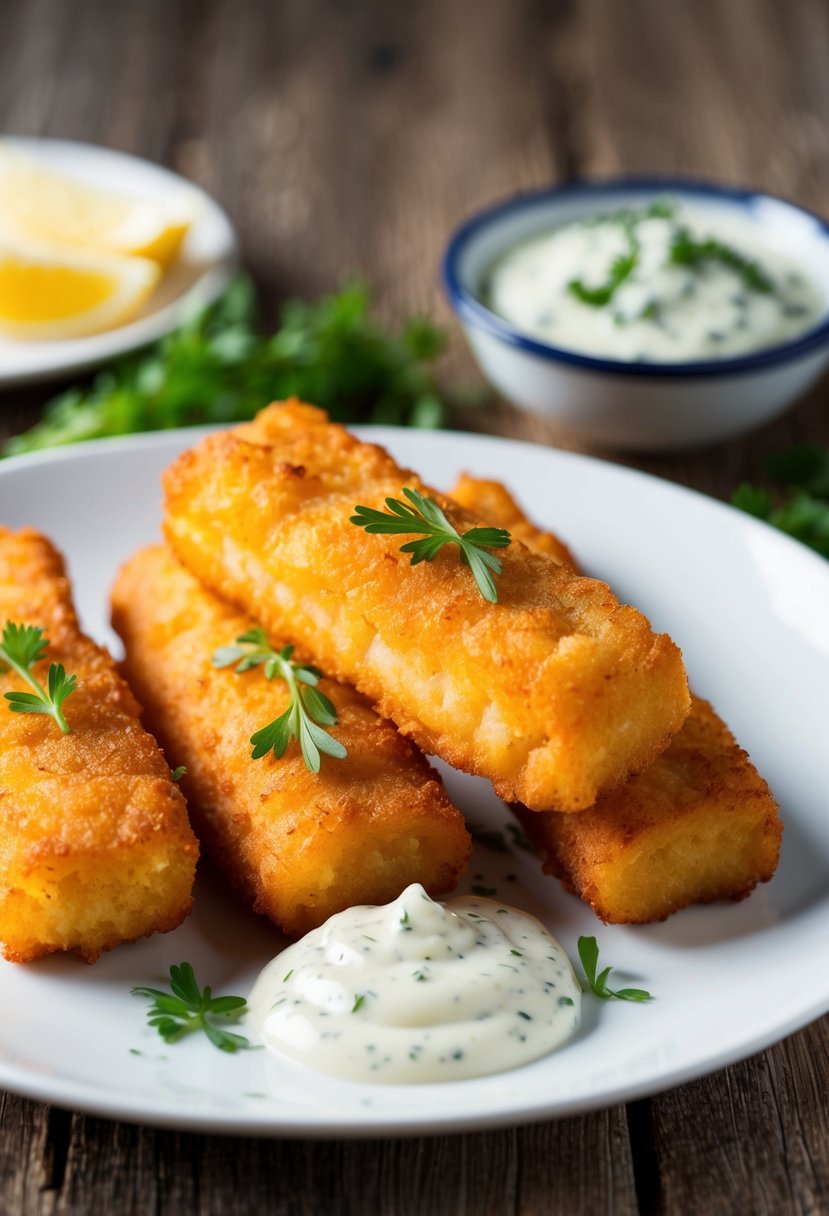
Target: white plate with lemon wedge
[[100, 253]]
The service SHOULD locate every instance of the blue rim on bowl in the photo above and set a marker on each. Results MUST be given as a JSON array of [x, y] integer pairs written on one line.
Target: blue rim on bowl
[[471, 310]]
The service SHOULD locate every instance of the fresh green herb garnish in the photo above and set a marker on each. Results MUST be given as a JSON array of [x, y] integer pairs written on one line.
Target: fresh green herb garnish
[[219, 368], [625, 264], [188, 1008], [802, 511], [425, 517], [359, 1001], [21, 647], [309, 709], [484, 892], [589, 955], [686, 251], [621, 270], [178, 773]]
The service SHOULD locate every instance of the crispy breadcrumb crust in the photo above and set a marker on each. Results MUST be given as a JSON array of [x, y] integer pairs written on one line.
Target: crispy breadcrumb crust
[[555, 693], [95, 846], [489, 500], [298, 846], [699, 825]]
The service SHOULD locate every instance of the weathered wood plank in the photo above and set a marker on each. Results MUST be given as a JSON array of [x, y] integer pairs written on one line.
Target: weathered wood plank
[[552, 1169], [754, 1138], [31, 1156]]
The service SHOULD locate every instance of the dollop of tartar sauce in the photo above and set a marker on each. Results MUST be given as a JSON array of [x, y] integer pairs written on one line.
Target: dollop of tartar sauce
[[681, 298], [418, 991]]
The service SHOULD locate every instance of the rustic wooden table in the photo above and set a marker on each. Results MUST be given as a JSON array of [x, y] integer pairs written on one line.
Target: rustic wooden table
[[347, 137]]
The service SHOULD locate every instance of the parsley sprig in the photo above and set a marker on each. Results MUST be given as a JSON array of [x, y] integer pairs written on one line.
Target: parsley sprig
[[220, 367], [802, 510], [309, 709], [22, 647], [589, 955], [187, 1008], [423, 516]]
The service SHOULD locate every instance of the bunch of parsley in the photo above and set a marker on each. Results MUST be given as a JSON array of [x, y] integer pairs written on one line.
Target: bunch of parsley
[[801, 509], [218, 368]]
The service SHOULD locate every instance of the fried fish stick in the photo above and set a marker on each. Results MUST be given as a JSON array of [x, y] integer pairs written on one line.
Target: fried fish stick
[[698, 825], [555, 693], [299, 846], [492, 501], [95, 847]]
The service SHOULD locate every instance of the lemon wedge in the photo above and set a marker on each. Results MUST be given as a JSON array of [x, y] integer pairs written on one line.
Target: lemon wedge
[[45, 297], [40, 206]]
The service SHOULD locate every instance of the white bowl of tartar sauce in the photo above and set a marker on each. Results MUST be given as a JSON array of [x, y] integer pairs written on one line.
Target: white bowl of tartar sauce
[[645, 313]]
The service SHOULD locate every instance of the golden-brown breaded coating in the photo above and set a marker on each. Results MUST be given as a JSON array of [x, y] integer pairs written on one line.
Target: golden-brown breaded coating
[[700, 824], [492, 501], [95, 847], [298, 846], [555, 693]]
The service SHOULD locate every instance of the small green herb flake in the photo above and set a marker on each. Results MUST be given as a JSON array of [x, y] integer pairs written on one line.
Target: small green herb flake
[[597, 297], [187, 1008], [491, 838], [485, 892], [686, 251], [359, 1001], [519, 838], [21, 648], [178, 773], [309, 709], [598, 980], [423, 516]]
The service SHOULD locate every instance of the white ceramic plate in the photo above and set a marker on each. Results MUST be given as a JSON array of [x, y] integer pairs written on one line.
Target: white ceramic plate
[[208, 256], [751, 609]]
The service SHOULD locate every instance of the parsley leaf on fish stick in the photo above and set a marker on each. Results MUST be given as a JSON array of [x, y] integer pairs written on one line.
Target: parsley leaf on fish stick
[[425, 516], [21, 648], [309, 709], [555, 692]]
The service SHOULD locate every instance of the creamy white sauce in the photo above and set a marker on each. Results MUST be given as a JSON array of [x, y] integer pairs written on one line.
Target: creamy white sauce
[[663, 311], [418, 991]]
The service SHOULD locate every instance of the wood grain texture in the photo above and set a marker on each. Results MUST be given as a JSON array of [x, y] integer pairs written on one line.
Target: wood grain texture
[[351, 137]]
